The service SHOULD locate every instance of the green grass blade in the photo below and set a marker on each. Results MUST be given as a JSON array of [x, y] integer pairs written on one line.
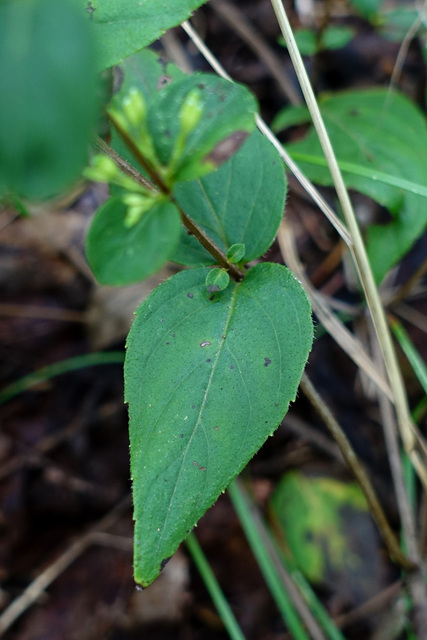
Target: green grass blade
[[316, 607], [266, 565], [365, 172], [420, 410], [57, 369], [415, 360], [214, 589]]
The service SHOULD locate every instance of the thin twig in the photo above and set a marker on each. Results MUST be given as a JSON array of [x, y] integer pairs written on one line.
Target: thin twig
[[411, 315], [358, 249], [42, 313], [371, 606], [402, 53], [338, 331], [237, 21], [100, 145], [395, 461], [54, 570], [359, 473], [405, 290]]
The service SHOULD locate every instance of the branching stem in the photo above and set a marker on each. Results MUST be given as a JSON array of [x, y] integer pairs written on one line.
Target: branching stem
[[158, 184]]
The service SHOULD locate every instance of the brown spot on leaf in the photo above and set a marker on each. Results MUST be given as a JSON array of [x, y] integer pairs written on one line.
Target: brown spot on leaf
[[202, 468], [163, 81], [226, 148], [90, 9], [118, 77], [213, 288]]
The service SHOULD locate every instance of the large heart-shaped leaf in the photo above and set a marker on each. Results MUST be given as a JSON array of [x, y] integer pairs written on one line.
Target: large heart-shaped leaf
[[242, 202], [208, 378], [48, 88], [378, 132], [126, 27]]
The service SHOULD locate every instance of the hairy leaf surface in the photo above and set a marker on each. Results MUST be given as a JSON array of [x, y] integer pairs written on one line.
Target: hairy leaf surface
[[208, 377], [241, 202], [380, 132], [120, 255], [126, 27]]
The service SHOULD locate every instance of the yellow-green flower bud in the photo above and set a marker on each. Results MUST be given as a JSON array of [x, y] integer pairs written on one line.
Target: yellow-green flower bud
[[134, 107], [190, 112], [137, 205], [103, 169], [118, 119]]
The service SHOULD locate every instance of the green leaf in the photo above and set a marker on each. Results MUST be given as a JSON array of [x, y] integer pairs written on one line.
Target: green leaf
[[384, 134], [325, 525], [126, 27], [395, 24], [333, 37], [49, 95], [236, 253], [147, 72], [207, 380], [369, 9], [120, 255], [217, 280], [240, 203], [290, 117], [336, 37], [227, 118]]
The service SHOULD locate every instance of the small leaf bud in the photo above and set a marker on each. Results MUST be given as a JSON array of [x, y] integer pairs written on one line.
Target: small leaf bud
[[236, 253], [217, 280], [102, 169], [190, 112], [137, 205], [134, 107]]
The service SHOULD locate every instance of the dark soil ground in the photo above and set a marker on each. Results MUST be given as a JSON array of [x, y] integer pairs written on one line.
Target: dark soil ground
[[65, 511]]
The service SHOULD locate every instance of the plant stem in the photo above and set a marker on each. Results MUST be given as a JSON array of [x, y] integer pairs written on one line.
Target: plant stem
[[209, 245], [358, 250], [360, 474], [100, 145], [158, 181], [224, 610]]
